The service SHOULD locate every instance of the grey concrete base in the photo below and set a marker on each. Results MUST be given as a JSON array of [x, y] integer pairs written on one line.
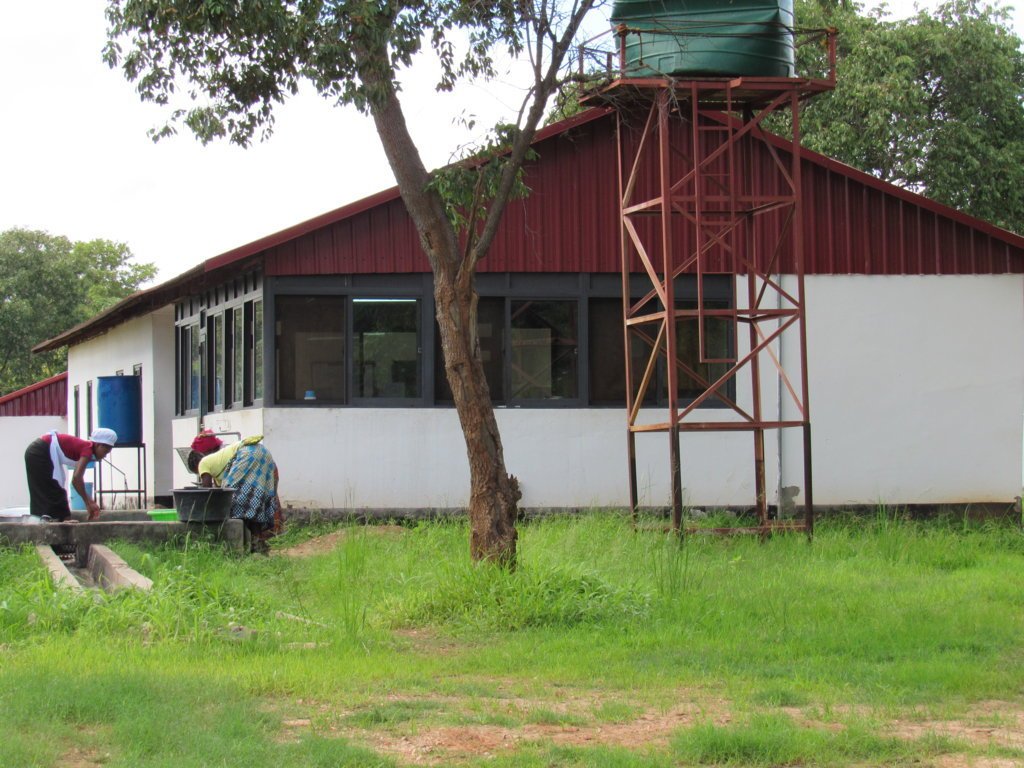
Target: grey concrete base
[[230, 532], [1009, 510], [113, 573], [59, 572]]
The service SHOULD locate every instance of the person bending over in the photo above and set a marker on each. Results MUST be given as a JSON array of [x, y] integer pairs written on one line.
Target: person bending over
[[47, 460]]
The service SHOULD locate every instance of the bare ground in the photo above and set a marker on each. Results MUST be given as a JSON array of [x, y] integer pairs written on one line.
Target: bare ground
[[328, 542], [991, 724], [571, 722]]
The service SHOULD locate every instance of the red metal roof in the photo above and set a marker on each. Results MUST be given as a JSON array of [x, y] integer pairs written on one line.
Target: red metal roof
[[48, 397], [853, 224]]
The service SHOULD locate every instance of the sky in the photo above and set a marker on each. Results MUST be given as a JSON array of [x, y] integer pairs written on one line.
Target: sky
[[75, 158]]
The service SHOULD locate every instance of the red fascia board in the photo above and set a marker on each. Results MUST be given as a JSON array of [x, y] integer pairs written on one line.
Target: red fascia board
[[32, 387]]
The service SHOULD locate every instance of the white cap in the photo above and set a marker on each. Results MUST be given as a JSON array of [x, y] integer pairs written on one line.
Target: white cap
[[104, 436]]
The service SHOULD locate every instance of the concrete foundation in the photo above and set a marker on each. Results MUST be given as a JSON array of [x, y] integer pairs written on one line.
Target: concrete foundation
[[112, 573], [230, 532], [62, 577]]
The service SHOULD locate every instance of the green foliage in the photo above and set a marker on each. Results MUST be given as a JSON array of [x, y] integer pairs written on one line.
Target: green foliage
[[187, 601], [879, 618], [771, 740], [49, 284], [489, 597], [468, 186], [934, 103], [242, 58]]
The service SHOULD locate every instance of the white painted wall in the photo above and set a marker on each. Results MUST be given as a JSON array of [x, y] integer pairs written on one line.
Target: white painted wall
[[917, 388], [916, 394], [247, 422], [149, 341], [16, 432]]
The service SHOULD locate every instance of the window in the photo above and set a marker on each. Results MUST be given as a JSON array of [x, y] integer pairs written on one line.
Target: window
[[88, 407], [217, 364], [78, 413], [386, 348], [543, 363], [606, 357], [237, 357], [195, 368], [717, 346], [490, 323], [257, 351], [607, 366], [310, 348]]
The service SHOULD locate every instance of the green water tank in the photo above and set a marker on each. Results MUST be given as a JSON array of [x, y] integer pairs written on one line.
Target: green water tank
[[707, 37]]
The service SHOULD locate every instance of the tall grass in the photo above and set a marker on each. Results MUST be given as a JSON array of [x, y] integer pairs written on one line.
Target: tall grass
[[877, 614]]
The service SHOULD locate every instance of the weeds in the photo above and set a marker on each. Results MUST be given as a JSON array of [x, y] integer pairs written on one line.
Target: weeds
[[880, 615]]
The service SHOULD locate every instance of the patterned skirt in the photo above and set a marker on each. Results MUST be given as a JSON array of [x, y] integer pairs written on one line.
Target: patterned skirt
[[253, 475]]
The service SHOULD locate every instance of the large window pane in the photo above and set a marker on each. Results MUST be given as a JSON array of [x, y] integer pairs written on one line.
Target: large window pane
[[717, 345], [490, 324], [218, 360], [310, 348], [607, 361], [238, 354], [386, 338], [257, 349], [543, 337], [195, 368]]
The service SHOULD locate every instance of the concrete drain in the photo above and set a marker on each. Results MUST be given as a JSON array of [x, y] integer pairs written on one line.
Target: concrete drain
[[90, 566]]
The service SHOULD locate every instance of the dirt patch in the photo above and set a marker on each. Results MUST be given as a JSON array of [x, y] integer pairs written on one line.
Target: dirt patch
[[83, 758], [986, 724], [428, 641], [509, 719], [965, 761], [329, 541], [440, 746]]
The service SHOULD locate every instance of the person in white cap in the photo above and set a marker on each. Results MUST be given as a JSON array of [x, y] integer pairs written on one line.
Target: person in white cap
[[46, 461]]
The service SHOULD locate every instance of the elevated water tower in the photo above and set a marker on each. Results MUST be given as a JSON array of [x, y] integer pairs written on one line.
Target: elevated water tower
[[704, 190]]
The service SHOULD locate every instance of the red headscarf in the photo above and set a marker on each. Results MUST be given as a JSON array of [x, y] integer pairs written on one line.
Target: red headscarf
[[206, 442]]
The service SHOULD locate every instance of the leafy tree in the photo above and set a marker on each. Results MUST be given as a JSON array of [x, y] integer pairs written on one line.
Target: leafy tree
[[49, 284], [239, 58], [934, 103]]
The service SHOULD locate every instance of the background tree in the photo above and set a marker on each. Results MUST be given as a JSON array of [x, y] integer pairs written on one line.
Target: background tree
[[238, 59], [49, 284], [934, 103]]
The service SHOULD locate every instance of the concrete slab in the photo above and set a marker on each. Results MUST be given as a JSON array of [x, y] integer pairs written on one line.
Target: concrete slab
[[112, 573], [230, 532], [59, 572]]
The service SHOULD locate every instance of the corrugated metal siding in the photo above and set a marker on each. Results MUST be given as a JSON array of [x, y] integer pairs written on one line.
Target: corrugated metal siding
[[569, 222], [44, 398]]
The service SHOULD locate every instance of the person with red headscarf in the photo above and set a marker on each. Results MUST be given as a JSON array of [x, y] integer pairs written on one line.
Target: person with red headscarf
[[248, 467]]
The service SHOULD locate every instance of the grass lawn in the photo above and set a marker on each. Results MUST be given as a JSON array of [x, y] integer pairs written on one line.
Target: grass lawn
[[882, 642]]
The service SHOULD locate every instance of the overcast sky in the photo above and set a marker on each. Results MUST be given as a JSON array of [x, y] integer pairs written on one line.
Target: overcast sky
[[77, 160]]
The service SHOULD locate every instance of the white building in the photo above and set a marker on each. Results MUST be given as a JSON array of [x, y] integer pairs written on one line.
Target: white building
[[321, 337]]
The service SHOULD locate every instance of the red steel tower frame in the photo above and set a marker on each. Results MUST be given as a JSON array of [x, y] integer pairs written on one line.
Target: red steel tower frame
[[693, 201]]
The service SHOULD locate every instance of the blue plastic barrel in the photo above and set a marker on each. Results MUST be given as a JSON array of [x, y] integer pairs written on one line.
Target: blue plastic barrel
[[77, 502], [119, 405]]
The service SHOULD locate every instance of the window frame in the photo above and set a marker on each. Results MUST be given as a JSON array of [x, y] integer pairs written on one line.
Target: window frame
[[253, 296], [195, 318]]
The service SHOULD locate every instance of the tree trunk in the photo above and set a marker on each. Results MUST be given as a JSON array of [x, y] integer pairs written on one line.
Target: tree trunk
[[494, 494]]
